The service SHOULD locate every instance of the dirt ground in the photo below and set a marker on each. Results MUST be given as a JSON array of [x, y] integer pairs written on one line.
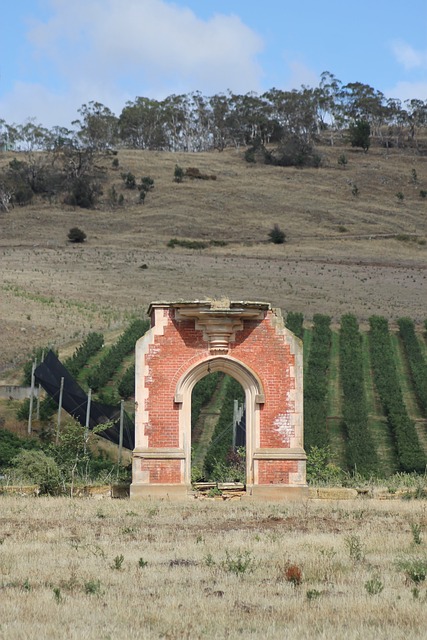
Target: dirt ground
[[365, 255]]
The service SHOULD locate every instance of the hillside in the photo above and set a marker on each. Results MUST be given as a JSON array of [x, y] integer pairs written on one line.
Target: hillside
[[364, 254]]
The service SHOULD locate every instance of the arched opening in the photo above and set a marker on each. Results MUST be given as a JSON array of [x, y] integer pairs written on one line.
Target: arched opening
[[253, 394], [218, 430]]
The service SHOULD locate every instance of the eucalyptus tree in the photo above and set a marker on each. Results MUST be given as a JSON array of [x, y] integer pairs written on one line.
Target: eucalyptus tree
[[329, 104], [201, 114], [364, 103], [396, 120], [416, 117], [142, 124], [177, 118], [98, 127]]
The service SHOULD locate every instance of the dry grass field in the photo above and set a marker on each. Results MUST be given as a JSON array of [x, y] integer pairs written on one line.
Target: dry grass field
[[345, 253], [88, 569]]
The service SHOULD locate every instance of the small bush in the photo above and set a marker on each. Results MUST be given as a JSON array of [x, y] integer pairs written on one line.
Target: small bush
[[355, 548], [239, 564], [342, 160], [93, 587], [374, 586], [147, 184], [37, 467], [129, 180], [76, 235], [115, 163], [250, 155], [400, 196], [355, 190], [276, 235], [187, 244], [423, 193], [83, 193], [415, 569], [178, 174]]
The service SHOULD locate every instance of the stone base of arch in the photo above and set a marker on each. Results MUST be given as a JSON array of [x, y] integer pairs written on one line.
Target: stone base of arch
[[247, 340]]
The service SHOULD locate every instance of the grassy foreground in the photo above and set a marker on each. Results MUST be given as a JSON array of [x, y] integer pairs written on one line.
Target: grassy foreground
[[207, 569]]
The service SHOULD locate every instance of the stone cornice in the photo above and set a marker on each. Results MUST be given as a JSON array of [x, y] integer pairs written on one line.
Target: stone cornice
[[219, 325]]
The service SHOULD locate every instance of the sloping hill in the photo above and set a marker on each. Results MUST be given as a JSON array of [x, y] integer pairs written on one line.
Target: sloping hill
[[362, 253]]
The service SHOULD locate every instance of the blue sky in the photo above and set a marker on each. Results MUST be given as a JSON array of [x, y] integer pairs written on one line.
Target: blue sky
[[58, 54]]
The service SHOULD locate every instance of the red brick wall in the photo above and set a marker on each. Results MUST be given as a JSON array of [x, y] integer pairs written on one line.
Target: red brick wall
[[162, 471], [276, 471], [260, 348]]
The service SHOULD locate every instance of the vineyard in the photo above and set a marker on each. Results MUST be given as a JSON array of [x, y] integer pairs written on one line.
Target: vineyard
[[365, 394]]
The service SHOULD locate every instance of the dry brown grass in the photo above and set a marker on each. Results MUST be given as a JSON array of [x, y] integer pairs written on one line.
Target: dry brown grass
[[59, 575], [52, 291]]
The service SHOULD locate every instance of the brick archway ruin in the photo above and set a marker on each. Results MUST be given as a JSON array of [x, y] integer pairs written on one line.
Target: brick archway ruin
[[246, 340]]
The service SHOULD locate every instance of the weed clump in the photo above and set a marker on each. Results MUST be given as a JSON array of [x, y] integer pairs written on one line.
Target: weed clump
[[293, 574]]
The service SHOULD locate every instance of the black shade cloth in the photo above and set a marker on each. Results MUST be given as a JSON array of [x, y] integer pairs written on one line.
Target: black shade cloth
[[74, 401], [241, 431]]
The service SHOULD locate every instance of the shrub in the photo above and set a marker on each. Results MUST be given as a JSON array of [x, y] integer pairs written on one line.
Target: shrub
[[39, 468], [355, 548], [294, 322], [11, 445], [178, 174], [147, 184], [342, 160], [129, 180], [316, 383], [319, 469], [76, 235], [113, 358], [126, 386], [409, 451], [276, 235], [250, 155], [238, 564], [83, 193], [360, 448], [400, 196], [415, 359], [187, 244], [415, 569], [374, 586], [359, 133]]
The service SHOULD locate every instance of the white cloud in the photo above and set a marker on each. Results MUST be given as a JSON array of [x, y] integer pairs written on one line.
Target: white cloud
[[408, 91], [114, 50], [301, 75], [36, 101], [409, 57]]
